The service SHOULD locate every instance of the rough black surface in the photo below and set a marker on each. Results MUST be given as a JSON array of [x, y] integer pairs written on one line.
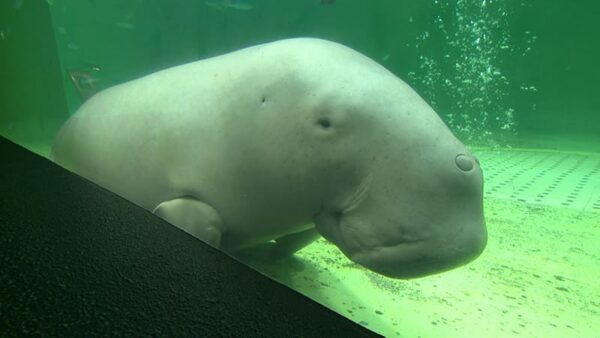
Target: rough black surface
[[76, 259]]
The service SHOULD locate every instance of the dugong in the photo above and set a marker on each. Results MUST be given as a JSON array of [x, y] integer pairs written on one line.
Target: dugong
[[280, 143]]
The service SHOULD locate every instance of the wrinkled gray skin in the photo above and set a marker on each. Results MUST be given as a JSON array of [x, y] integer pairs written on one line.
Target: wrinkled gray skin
[[255, 145]]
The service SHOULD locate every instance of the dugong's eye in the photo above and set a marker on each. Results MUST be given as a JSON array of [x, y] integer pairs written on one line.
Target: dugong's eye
[[324, 123]]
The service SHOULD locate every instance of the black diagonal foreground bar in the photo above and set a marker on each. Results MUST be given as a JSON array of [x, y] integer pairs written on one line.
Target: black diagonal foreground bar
[[76, 259]]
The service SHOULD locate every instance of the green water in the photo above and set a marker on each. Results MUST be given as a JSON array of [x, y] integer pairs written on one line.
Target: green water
[[515, 80]]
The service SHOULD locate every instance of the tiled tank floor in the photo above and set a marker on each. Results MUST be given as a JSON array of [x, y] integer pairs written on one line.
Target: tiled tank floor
[[570, 179]]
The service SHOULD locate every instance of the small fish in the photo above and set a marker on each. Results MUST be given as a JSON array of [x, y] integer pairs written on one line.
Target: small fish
[[85, 80], [224, 4]]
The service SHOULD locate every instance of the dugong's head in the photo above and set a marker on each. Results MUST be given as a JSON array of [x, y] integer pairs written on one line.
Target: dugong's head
[[401, 195]]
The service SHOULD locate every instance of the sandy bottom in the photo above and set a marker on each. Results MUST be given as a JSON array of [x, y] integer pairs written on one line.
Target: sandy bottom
[[537, 278]]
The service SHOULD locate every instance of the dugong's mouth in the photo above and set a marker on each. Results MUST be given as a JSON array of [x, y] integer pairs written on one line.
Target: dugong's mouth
[[401, 255], [392, 257], [416, 258], [403, 260], [396, 251]]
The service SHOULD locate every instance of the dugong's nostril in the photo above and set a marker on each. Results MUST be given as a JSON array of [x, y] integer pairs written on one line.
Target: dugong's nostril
[[464, 162]]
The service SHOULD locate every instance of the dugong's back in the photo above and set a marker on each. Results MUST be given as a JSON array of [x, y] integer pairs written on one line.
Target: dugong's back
[[147, 129], [132, 134], [107, 144]]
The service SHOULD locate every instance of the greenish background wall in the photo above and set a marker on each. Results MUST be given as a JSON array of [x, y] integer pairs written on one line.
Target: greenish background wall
[[32, 100], [114, 41], [133, 38], [563, 65]]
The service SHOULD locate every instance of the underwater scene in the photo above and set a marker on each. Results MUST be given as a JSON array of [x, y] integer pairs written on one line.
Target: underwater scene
[[403, 245]]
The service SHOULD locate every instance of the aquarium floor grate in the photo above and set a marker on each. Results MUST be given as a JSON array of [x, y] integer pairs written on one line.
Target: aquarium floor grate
[[543, 177]]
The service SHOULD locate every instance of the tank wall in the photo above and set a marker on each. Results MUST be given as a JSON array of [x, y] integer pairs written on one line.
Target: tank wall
[[563, 65], [115, 41], [32, 101], [127, 40], [111, 41]]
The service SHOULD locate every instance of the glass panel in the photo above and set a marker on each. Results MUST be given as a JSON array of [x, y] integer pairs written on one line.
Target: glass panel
[[514, 81]]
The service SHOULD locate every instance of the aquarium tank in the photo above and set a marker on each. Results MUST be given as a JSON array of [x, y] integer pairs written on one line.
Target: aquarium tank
[[514, 80]]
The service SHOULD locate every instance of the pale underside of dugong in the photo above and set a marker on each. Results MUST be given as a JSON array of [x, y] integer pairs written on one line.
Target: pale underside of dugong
[[262, 143]]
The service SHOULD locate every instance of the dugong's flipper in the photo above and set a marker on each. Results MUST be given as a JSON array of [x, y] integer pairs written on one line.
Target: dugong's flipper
[[280, 248], [287, 245], [194, 217]]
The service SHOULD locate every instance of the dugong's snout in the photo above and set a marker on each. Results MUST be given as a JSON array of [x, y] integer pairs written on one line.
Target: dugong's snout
[[440, 224], [431, 223]]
